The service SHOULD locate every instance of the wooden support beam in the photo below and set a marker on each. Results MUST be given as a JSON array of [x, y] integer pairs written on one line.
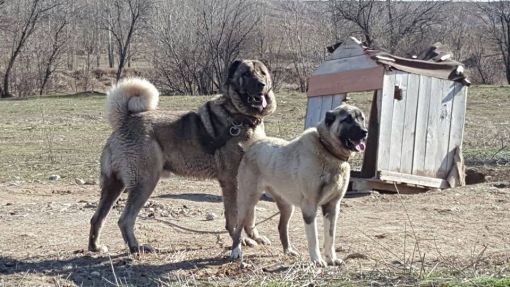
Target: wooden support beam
[[389, 176], [365, 184], [370, 155]]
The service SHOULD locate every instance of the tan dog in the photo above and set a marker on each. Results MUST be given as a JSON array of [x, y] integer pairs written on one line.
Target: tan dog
[[203, 144], [310, 171]]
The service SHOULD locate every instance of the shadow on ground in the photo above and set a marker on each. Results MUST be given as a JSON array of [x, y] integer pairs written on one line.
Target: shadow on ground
[[196, 197], [85, 270], [202, 197]]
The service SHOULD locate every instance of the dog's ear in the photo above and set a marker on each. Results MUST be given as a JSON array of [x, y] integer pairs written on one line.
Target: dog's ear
[[330, 118], [232, 69]]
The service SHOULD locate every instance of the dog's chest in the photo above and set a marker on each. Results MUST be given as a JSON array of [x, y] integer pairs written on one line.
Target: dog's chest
[[334, 183]]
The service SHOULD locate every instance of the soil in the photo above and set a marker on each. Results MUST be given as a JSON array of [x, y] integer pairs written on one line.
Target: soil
[[44, 232]]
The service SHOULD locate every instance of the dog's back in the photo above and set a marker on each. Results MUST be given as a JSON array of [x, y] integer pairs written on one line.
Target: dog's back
[[289, 168]]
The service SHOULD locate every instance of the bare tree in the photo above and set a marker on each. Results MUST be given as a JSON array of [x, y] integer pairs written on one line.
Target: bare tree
[[90, 40], [28, 14], [496, 16], [199, 39], [270, 44], [179, 60], [386, 24], [53, 44], [123, 19], [307, 33], [3, 22], [363, 14], [484, 63], [225, 26], [407, 19]]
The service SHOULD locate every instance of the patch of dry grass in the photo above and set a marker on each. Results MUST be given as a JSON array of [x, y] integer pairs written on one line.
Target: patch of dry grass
[[64, 135]]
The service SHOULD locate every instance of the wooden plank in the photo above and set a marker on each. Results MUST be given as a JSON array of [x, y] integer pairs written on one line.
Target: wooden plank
[[358, 184], [345, 64], [397, 124], [326, 106], [457, 122], [379, 104], [413, 86], [385, 120], [313, 109], [444, 128], [337, 100], [420, 136], [398, 177], [431, 149], [346, 82]]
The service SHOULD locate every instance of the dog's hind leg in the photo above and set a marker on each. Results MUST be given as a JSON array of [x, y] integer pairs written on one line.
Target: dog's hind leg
[[330, 211], [286, 211], [138, 195], [111, 188], [229, 192], [249, 224], [254, 237]]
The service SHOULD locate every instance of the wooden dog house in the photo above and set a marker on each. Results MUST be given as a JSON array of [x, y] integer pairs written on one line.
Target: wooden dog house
[[416, 119]]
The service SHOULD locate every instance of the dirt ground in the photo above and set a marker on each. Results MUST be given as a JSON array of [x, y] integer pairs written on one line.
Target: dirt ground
[[421, 239]]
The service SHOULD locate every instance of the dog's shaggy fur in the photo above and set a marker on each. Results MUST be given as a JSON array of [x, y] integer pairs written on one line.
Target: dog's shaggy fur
[[310, 171], [207, 143]]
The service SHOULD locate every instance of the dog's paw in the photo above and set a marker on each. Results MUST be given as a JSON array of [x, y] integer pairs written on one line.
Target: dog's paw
[[142, 249], [236, 254], [335, 261], [98, 248], [319, 262], [262, 240], [291, 252], [245, 241]]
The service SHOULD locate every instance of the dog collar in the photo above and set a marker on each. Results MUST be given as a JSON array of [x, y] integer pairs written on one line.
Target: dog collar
[[239, 122], [327, 147]]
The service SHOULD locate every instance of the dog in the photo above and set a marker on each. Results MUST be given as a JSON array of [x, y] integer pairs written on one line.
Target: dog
[[310, 171], [146, 144]]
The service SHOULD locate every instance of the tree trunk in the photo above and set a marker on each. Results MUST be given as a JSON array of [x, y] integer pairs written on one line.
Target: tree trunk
[[98, 57], [110, 50], [122, 62], [6, 93], [47, 75], [508, 74]]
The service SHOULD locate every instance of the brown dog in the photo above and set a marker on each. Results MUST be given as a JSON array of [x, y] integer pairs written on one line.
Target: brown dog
[[203, 144]]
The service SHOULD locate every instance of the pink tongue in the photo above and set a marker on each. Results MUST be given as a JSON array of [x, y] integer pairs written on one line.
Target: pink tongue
[[264, 102], [360, 147]]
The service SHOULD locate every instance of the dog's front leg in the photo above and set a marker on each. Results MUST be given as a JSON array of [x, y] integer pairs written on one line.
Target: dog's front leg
[[309, 213], [330, 211]]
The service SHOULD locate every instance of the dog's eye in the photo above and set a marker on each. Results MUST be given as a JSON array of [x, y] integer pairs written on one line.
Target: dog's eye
[[348, 119]]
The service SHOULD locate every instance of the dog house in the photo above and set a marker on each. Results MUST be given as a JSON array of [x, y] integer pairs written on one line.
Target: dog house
[[416, 120]]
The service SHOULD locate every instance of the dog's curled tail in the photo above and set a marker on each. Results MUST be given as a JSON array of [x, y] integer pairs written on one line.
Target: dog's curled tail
[[130, 96]]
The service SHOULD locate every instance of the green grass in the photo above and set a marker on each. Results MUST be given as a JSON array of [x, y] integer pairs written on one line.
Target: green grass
[[64, 135], [484, 281]]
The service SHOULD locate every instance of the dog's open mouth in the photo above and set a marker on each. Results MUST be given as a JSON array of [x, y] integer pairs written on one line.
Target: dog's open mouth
[[258, 101], [356, 145]]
